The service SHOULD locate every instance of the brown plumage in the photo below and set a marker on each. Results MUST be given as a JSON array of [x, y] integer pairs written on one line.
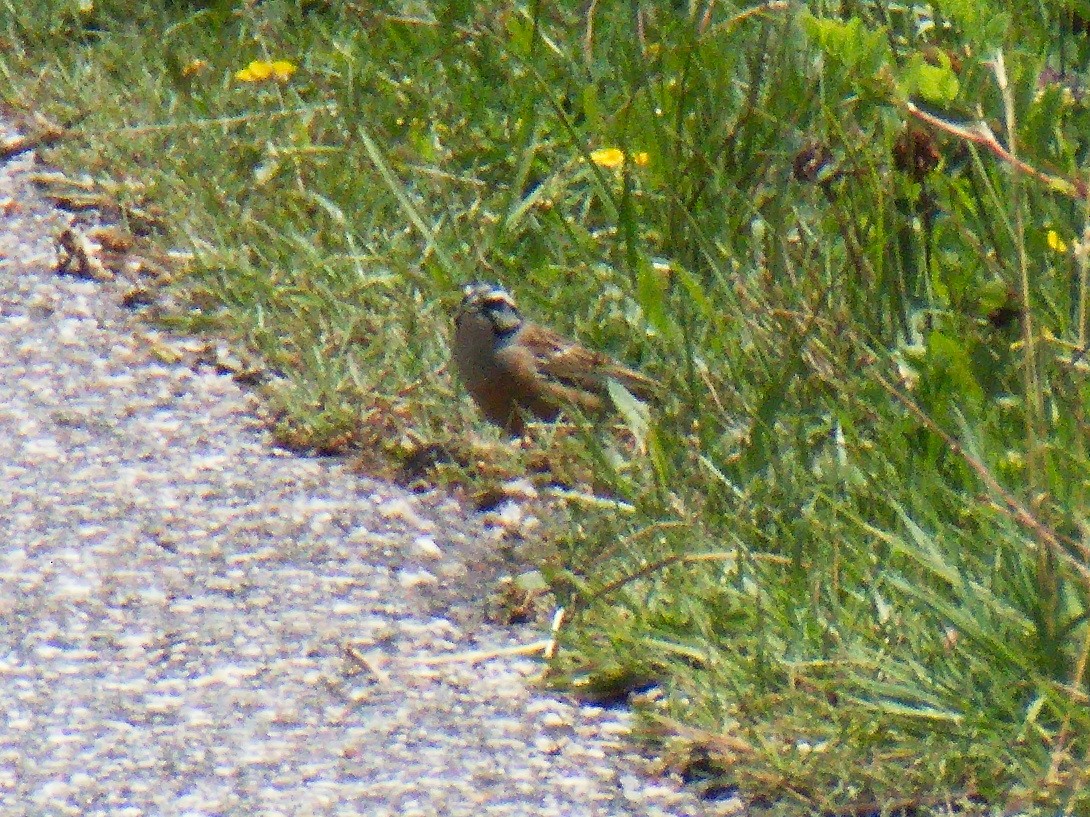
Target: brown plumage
[[513, 368]]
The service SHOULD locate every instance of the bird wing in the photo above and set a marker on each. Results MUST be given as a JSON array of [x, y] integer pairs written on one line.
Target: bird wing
[[539, 391], [576, 367]]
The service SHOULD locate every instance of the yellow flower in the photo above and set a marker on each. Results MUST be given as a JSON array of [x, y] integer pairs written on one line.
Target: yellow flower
[[254, 72], [261, 70], [607, 157], [614, 157], [1056, 243], [282, 69]]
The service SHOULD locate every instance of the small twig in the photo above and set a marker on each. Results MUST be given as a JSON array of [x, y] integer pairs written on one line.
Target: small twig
[[47, 133], [588, 34], [706, 18], [723, 743], [477, 656], [54, 178], [1082, 259], [1032, 384], [626, 540], [772, 5], [641, 34], [405, 20], [554, 631], [705, 375], [981, 134], [16, 146], [590, 500], [381, 675], [81, 257]]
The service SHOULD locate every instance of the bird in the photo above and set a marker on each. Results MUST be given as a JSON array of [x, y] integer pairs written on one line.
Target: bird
[[515, 369]]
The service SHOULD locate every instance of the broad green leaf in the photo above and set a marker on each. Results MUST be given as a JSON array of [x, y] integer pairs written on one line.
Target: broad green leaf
[[937, 84], [849, 42]]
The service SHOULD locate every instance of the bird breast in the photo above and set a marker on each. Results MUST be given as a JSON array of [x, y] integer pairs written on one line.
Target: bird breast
[[474, 352]]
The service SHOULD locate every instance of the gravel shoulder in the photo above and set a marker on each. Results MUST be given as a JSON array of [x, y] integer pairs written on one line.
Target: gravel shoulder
[[176, 594]]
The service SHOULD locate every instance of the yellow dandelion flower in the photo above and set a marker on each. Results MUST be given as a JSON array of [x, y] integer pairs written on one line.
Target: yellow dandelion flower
[[607, 157], [261, 70], [1055, 243], [256, 71], [614, 157], [283, 69]]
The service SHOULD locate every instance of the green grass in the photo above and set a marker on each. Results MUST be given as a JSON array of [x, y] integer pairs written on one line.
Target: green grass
[[852, 549]]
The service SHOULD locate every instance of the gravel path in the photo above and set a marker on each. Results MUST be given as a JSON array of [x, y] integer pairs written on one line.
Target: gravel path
[[175, 597]]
